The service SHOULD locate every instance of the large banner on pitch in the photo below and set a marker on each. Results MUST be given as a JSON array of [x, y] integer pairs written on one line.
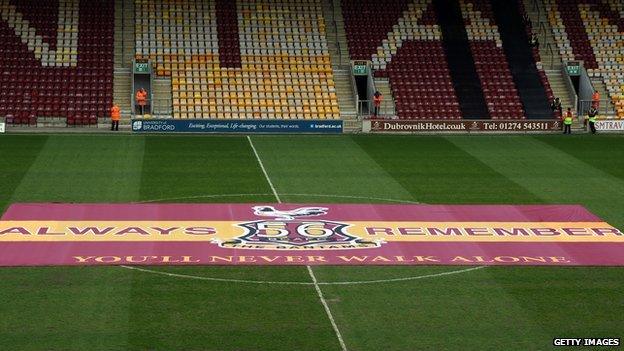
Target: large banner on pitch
[[235, 126], [303, 234]]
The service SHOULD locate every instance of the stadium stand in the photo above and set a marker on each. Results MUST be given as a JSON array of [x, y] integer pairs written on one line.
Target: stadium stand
[[487, 49], [530, 81], [266, 62], [592, 31], [456, 45], [444, 59], [409, 53], [56, 60], [424, 48]]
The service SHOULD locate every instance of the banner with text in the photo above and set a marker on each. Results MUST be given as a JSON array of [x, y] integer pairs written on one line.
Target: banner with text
[[612, 125], [235, 126], [303, 234], [465, 126]]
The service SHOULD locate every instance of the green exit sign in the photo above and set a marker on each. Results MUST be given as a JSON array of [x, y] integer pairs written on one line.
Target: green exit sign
[[573, 68], [360, 68], [141, 67]]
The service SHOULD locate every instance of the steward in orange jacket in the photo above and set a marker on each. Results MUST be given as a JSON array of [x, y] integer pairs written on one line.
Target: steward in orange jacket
[[141, 99], [377, 99], [115, 117], [596, 99]]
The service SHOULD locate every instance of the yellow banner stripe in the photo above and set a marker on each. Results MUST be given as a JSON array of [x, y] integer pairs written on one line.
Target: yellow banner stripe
[[145, 231]]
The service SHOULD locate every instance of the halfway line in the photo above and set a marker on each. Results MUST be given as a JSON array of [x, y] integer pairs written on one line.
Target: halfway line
[[329, 314], [316, 285], [266, 175]]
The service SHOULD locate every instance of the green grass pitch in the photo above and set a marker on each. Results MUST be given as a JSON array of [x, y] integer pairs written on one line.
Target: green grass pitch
[[494, 308]]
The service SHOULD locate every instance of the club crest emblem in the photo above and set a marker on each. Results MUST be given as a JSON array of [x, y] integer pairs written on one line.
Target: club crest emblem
[[295, 229], [270, 211]]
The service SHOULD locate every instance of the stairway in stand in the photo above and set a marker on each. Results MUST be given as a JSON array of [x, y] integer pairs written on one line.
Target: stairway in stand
[[387, 106], [461, 63], [124, 53], [520, 57]]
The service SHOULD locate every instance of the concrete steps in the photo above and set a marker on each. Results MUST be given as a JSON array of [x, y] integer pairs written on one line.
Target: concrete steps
[[549, 52], [339, 53], [388, 106], [609, 109], [124, 53], [352, 126], [162, 105], [344, 92], [556, 79], [335, 33], [124, 33], [122, 91], [560, 90]]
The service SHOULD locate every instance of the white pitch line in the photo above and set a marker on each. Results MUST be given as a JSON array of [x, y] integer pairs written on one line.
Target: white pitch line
[[269, 282], [199, 197], [212, 279], [266, 175], [327, 310], [314, 282], [283, 194]]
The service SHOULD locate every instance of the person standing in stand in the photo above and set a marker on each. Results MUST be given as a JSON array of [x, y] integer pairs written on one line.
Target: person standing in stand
[[555, 105], [141, 100], [596, 100], [592, 114], [534, 41], [377, 99], [567, 122], [115, 117]]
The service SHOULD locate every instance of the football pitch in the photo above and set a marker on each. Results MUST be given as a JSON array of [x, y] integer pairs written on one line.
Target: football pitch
[[322, 307]]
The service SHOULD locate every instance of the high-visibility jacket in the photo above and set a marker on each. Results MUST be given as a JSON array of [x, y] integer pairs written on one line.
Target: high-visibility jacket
[[377, 99], [596, 96], [568, 118], [592, 115], [115, 113], [141, 98]]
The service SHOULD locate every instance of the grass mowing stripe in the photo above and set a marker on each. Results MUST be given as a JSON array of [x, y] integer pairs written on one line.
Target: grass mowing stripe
[[559, 177], [593, 150], [455, 312], [550, 174], [84, 169], [434, 170], [174, 314], [79, 169], [178, 167], [17, 153], [567, 300], [61, 308], [332, 165]]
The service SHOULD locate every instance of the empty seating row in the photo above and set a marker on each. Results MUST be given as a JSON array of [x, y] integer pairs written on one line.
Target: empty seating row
[[592, 31], [499, 91], [215, 49], [56, 58]]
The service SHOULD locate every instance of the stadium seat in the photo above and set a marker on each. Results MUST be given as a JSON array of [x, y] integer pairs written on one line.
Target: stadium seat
[[592, 31], [55, 57], [403, 40], [499, 90], [268, 62]]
